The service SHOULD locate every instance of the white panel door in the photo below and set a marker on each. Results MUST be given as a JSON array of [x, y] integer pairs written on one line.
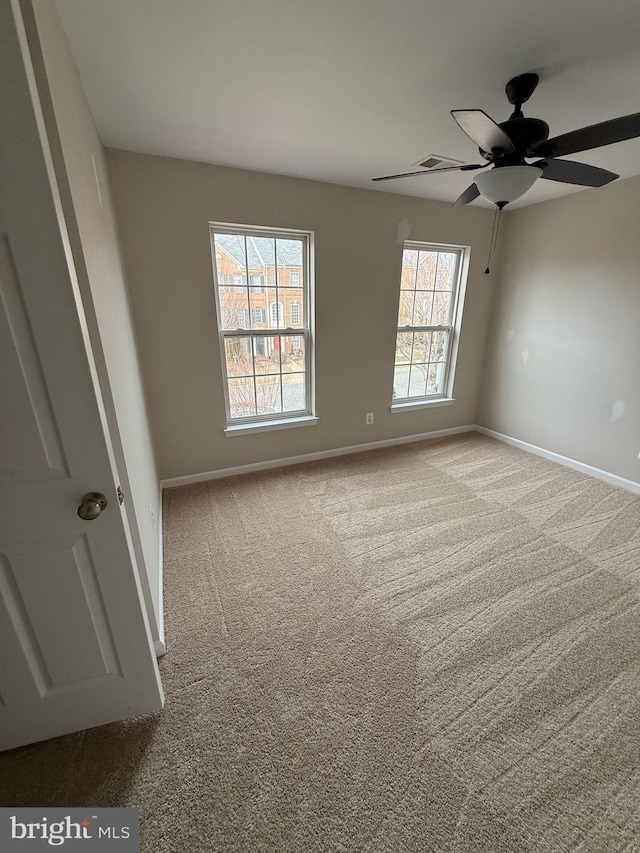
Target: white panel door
[[75, 648]]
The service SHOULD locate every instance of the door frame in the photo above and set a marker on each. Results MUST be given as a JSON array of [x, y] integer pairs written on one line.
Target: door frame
[[91, 329]]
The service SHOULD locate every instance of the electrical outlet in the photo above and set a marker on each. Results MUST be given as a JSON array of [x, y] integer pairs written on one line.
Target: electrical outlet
[[368, 418], [153, 516]]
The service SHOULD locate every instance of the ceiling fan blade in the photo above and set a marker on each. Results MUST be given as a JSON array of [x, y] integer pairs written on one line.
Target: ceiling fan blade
[[594, 136], [483, 130], [465, 168], [468, 195], [569, 172]]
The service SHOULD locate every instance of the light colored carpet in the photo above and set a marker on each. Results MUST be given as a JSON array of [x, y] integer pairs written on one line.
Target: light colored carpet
[[431, 647]]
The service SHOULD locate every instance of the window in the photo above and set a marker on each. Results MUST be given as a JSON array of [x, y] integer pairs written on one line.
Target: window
[[429, 314], [277, 314], [267, 372], [295, 313], [294, 278]]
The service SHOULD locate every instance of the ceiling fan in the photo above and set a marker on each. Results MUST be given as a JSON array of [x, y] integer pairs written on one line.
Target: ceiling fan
[[507, 146]]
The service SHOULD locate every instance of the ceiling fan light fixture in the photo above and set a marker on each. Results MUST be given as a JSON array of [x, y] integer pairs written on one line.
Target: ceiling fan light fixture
[[507, 183]]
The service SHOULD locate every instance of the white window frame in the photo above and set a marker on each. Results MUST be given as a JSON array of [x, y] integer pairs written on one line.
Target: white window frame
[[293, 283], [276, 420], [446, 396], [295, 305]]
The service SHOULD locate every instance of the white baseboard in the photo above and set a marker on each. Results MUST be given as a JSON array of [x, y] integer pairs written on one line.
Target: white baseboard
[[614, 479], [172, 482], [160, 646]]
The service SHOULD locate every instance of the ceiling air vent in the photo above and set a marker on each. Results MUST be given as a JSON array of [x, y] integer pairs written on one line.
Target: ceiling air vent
[[434, 161]]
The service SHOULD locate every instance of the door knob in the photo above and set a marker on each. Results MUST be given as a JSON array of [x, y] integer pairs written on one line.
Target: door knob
[[92, 505]]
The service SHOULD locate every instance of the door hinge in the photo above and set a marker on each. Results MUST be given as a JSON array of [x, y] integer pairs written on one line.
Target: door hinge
[[120, 494]]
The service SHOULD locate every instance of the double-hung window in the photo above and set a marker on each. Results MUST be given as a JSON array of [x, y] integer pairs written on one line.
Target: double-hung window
[[267, 371], [429, 316]]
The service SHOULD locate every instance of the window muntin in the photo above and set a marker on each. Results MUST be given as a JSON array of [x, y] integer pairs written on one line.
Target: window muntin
[[266, 370], [427, 318]]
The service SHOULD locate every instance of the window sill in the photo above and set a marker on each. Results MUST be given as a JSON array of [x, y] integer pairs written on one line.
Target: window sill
[[267, 426], [423, 404]]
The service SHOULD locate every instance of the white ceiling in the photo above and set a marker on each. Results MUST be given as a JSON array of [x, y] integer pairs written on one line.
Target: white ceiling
[[344, 90]]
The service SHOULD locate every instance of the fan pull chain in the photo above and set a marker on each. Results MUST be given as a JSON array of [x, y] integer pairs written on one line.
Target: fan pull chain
[[494, 235]]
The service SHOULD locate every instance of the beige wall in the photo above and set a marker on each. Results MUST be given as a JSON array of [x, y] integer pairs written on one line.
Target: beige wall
[[563, 367], [163, 207], [80, 169]]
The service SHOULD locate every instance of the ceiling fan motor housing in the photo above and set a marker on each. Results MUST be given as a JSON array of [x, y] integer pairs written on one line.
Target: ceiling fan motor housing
[[525, 133]]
